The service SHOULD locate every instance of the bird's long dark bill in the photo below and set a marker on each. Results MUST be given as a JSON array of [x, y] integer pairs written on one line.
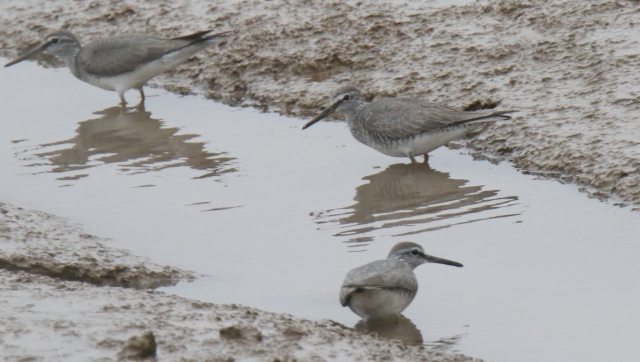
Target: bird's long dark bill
[[40, 48], [323, 114], [434, 259]]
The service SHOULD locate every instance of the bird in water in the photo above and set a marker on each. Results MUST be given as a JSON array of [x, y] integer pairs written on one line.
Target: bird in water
[[384, 288], [404, 127], [120, 63]]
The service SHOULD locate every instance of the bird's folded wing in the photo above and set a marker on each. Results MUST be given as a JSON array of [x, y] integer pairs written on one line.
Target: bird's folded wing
[[404, 117], [381, 274], [120, 55]]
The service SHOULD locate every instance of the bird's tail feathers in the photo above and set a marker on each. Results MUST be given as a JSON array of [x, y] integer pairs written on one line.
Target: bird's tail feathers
[[493, 116], [199, 37], [194, 36]]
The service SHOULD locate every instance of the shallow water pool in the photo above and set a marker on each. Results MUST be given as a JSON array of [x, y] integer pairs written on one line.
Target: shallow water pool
[[276, 217]]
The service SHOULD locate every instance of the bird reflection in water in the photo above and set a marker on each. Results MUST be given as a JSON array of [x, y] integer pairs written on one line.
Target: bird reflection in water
[[398, 327], [403, 329], [134, 140], [409, 197]]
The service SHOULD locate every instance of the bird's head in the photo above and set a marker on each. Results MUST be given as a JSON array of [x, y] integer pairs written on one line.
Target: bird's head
[[343, 99], [413, 255], [60, 43]]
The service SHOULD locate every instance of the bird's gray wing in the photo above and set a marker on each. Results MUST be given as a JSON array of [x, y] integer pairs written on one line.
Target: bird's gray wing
[[381, 274], [123, 54], [404, 117]]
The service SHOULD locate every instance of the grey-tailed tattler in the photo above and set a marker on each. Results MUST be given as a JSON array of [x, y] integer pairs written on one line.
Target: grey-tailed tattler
[[120, 63], [403, 127], [384, 288]]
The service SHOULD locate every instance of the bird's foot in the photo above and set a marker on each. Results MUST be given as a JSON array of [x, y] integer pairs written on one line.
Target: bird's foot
[[140, 105], [137, 107]]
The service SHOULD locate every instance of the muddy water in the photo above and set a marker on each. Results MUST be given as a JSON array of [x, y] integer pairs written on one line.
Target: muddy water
[[276, 217]]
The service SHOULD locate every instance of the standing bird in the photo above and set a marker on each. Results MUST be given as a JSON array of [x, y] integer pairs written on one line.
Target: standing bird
[[403, 127], [120, 63], [384, 288]]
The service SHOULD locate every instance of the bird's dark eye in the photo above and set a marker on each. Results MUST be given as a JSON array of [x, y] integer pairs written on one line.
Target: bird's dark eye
[[346, 98], [415, 252], [55, 40]]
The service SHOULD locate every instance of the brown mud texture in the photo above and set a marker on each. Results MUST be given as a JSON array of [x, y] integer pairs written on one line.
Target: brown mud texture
[[570, 67]]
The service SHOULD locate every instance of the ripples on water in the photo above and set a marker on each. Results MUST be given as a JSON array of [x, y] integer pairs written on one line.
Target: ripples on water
[[412, 199], [131, 139]]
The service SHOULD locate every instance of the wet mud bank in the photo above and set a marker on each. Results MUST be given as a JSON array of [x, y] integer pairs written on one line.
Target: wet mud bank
[[75, 321], [570, 67], [63, 288], [39, 243]]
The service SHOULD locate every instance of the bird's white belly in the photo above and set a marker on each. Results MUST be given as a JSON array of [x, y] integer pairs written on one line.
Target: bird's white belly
[[425, 143], [141, 75], [379, 303]]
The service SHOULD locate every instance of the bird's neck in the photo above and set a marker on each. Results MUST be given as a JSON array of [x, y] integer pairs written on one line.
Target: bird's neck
[[69, 58], [354, 115]]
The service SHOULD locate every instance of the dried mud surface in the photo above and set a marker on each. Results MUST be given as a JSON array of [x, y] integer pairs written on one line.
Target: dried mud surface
[[569, 66]]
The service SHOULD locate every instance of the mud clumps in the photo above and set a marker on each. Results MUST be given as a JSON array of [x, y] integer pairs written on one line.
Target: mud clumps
[[241, 333], [139, 347], [231, 333], [479, 106], [293, 334]]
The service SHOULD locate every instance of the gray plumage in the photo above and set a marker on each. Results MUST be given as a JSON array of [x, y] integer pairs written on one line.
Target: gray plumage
[[380, 274], [120, 63], [385, 288], [124, 54], [403, 127]]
